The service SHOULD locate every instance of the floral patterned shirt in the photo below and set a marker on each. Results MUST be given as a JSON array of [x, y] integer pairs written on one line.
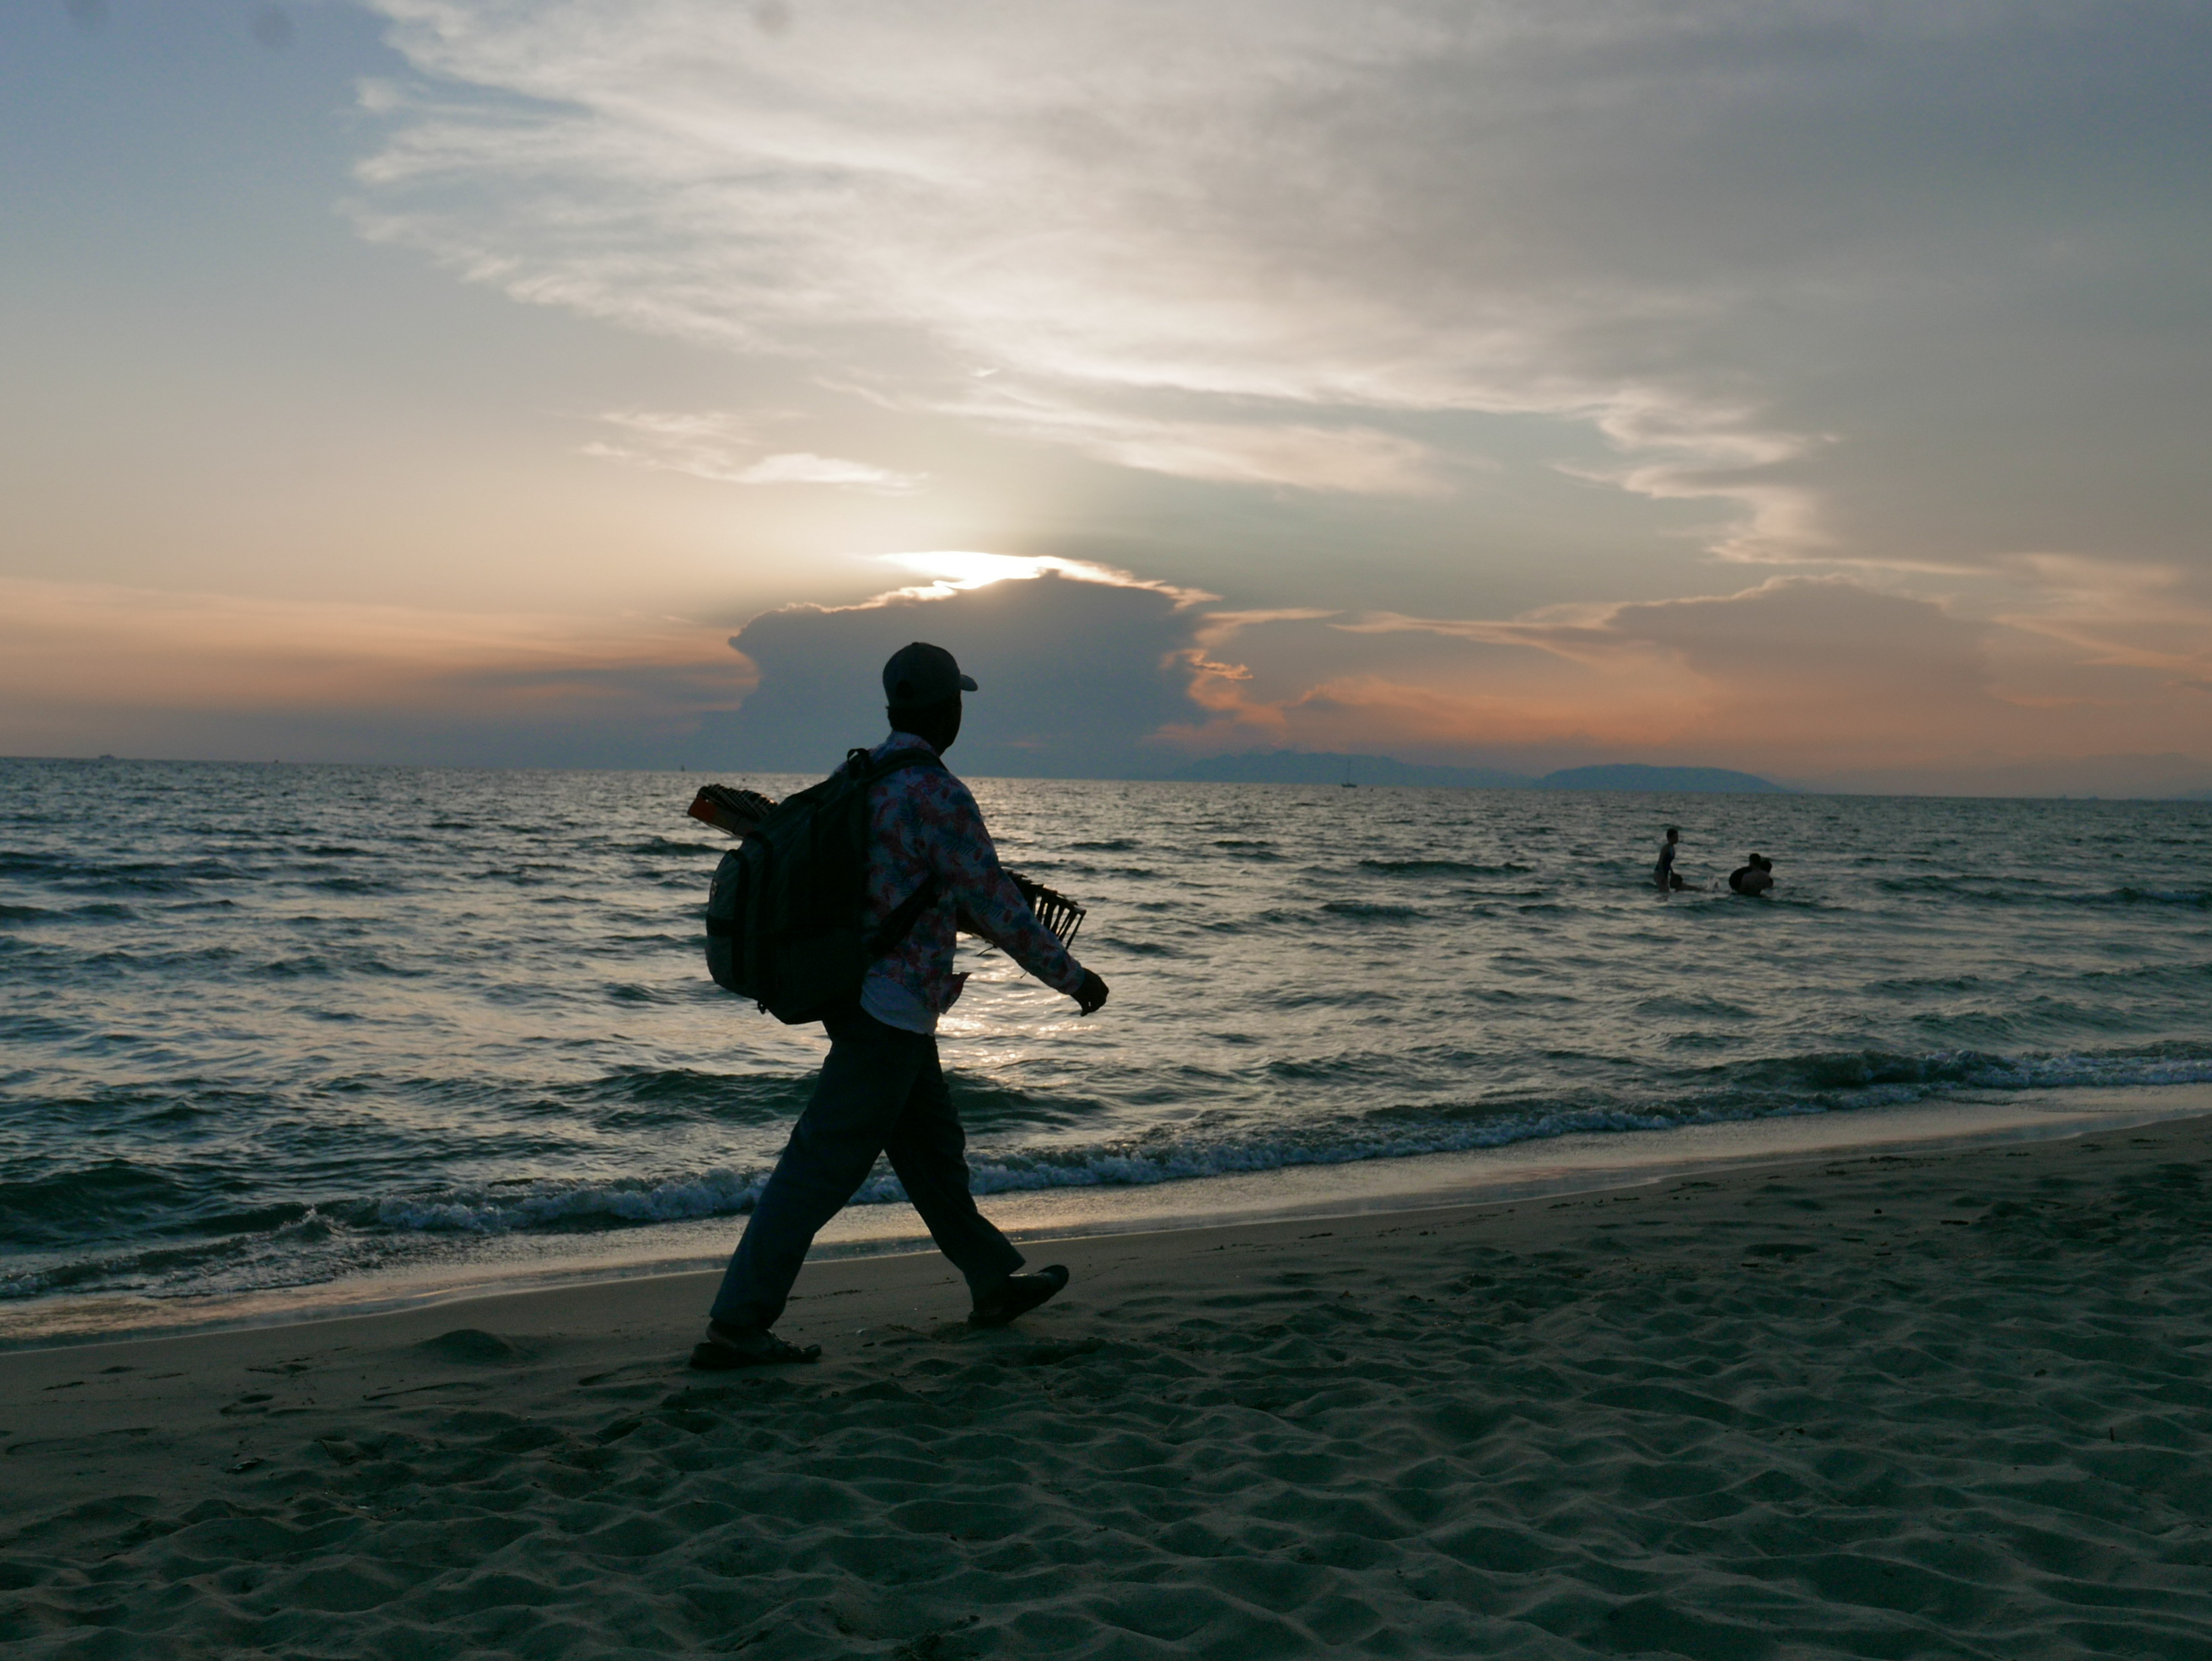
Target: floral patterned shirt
[[923, 821]]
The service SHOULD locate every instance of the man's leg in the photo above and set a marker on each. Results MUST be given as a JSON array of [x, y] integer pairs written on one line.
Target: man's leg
[[869, 1074], [928, 1150]]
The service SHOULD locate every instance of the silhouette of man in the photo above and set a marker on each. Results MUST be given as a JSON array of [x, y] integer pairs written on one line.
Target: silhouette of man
[[881, 1089], [1662, 874]]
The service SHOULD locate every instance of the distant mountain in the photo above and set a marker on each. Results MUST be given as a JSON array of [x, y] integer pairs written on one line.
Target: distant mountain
[[1325, 767], [2165, 777], [1631, 776]]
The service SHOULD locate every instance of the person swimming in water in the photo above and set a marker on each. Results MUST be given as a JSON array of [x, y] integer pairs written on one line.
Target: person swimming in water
[[1662, 874], [1755, 878]]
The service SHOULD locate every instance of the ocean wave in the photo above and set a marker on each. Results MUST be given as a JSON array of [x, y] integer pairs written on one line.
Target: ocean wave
[[1140, 948], [302, 1249], [1864, 1077], [355, 885], [630, 992], [121, 877], [653, 847], [552, 1205], [1830, 1084], [675, 1093], [730, 1192], [1980, 890], [63, 1205], [1443, 868], [2031, 893], [28, 863], [315, 966], [2198, 899]]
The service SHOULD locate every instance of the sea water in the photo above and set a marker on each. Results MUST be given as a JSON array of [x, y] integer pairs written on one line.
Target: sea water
[[271, 1026]]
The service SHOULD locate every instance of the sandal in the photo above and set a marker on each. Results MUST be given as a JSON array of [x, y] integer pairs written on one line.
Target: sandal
[[725, 1349], [1017, 1296]]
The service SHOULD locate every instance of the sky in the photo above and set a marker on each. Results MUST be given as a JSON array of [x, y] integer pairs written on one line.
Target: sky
[[1806, 387]]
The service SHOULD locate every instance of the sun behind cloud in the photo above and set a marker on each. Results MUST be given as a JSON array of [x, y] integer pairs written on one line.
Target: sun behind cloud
[[954, 571]]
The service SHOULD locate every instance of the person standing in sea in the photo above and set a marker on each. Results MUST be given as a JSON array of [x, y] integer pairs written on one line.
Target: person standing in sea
[[1662, 874], [881, 1088]]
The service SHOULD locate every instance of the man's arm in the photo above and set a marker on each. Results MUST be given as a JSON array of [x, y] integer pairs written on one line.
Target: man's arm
[[966, 864]]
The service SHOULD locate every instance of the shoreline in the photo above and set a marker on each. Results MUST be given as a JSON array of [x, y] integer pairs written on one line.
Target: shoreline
[[1950, 1400], [1581, 1162]]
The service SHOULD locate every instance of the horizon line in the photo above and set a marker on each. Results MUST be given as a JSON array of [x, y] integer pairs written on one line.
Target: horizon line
[[1534, 783]]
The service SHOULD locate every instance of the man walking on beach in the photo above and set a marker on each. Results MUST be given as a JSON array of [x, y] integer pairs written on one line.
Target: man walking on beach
[[881, 1090]]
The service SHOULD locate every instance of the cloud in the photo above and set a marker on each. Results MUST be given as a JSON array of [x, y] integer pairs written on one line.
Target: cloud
[[1076, 675], [1090, 672], [952, 571], [805, 467], [1348, 458], [721, 448], [1826, 667], [1221, 241], [1803, 677], [2119, 613], [1809, 652]]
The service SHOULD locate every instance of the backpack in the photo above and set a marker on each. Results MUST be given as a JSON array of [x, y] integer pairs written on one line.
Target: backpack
[[783, 916]]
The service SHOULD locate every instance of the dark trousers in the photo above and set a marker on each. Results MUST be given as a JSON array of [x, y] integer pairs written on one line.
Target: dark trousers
[[881, 1091]]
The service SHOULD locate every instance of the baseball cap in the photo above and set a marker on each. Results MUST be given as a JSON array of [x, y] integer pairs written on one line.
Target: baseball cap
[[921, 673]]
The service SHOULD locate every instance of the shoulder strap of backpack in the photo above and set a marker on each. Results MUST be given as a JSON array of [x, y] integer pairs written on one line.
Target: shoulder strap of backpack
[[871, 771], [897, 926]]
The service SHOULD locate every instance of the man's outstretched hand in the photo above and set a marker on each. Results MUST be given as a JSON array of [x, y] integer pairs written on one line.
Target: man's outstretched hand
[[1091, 994]]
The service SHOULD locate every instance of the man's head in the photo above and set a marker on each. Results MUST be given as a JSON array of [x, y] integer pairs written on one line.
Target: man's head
[[922, 694], [1673, 833]]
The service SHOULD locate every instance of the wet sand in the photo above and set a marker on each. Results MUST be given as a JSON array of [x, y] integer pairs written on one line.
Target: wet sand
[[1888, 1403]]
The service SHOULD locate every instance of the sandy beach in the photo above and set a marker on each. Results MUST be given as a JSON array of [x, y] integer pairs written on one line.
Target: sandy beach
[[1934, 1403]]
